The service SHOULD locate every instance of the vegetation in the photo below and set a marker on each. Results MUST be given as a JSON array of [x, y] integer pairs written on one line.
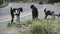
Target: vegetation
[[53, 1], [11, 25], [47, 1], [44, 27], [3, 5], [1, 2], [40, 26]]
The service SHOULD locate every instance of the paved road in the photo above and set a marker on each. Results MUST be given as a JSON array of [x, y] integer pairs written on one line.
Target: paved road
[[26, 14]]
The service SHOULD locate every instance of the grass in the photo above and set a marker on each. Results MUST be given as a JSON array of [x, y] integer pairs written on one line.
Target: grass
[[44, 27], [40, 26], [11, 25], [3, 5], [29, 22]]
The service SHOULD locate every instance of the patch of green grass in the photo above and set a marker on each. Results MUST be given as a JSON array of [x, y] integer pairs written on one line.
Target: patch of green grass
[[29, 22], [11, 25], [40, 26], [45, 27], [3, 5]]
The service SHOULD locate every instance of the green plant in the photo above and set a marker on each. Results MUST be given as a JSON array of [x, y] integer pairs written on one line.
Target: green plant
[[10, 25], [1, 2], [40, 26], [29, 22], [43, 27], [53, 1], [3, 5]]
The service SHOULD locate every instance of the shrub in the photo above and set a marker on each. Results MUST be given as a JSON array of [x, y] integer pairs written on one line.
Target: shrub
[[1, 2], [43, 27], [53, 1]]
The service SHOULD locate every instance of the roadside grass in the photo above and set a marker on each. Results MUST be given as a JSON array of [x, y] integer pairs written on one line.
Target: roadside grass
[[11, 25], [27, 23], [3, 5], [39, 26], [45, 27]]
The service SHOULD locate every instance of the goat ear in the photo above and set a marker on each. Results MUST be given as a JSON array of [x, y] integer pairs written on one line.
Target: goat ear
[[21, 9]]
